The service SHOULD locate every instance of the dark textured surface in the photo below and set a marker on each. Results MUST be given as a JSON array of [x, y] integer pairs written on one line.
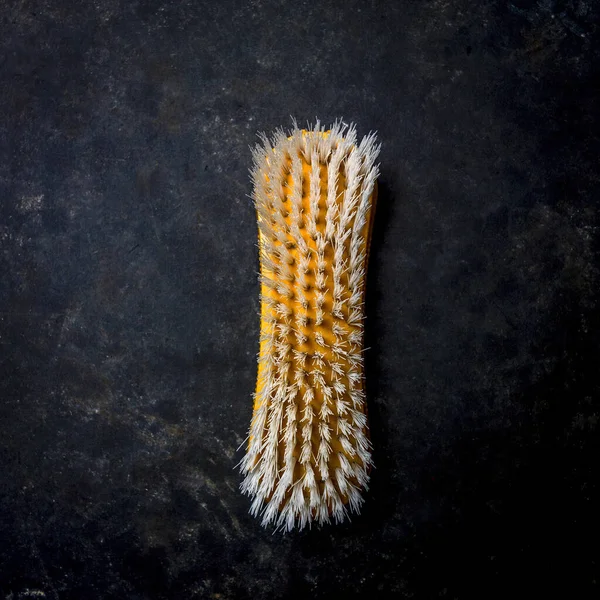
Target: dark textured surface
[[129, 299]]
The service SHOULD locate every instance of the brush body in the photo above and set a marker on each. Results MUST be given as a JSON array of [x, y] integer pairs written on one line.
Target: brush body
[[309, 453]]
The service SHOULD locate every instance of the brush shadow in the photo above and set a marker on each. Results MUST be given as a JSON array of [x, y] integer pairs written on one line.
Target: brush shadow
[[379, 503]]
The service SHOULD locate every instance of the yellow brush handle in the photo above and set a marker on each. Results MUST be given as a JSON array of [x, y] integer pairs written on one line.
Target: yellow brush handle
[[308, 455]]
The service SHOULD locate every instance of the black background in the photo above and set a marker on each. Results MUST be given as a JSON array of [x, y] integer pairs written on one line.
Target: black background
[[129, 296]]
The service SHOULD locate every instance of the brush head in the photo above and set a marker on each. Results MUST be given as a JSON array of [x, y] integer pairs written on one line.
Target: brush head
[[309, 453]]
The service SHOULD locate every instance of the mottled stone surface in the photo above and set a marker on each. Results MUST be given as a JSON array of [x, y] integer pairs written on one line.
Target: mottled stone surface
[[129, 297]]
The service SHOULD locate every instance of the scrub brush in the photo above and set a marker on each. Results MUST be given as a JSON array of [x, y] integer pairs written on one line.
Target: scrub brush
[[309, 452]]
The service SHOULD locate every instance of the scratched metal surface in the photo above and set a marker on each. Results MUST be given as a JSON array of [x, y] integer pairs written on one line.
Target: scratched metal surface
[[129, 297]]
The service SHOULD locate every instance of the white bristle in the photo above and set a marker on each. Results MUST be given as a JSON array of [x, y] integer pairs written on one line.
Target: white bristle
[[325, 412], [318, 359], [339, 387]]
